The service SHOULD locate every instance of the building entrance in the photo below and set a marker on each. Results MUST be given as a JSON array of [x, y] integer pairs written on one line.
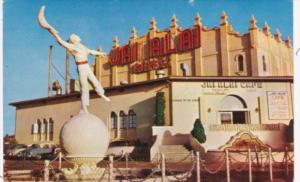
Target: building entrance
[[239, 117], [233, 110]]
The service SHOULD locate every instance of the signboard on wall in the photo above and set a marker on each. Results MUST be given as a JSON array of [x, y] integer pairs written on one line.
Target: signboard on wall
[[278, 105]]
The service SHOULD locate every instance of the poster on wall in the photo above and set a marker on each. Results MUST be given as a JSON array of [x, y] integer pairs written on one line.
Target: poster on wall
[[278, 105]]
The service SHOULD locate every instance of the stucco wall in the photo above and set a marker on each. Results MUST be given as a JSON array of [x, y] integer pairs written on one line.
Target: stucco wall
[[215, 57], [140, 99], [204, 102], [58, 111]]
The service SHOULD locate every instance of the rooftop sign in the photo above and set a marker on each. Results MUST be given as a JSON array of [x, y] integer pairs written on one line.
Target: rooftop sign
[[157, 50]]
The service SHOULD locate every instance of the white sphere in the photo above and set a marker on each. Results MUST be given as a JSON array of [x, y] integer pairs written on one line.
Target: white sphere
[[85, 135]]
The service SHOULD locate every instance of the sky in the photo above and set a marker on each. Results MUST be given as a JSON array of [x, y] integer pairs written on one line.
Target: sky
[[26, 44]]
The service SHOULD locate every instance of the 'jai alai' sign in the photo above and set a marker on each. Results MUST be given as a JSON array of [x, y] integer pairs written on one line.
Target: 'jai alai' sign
[[154, 53]]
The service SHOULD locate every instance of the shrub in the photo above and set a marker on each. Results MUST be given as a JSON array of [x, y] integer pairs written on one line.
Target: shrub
[[160, 109], [198, 131], [290, 132]]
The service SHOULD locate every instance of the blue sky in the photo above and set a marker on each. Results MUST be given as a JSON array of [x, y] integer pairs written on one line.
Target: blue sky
[[26, 45]]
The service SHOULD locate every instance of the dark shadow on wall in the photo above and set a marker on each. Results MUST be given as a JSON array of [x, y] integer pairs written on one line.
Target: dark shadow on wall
[[145, 115], [181, 139]]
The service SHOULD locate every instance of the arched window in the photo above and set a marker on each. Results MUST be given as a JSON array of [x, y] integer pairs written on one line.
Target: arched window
[[44, 130], [186, 39], [123, 119], [185, 69], [240, 61], [44, 126], [39, 123], [35, 128], [39, 126], [264, 63], [155, 47], [51, 128], [132, 119], [114, 120]]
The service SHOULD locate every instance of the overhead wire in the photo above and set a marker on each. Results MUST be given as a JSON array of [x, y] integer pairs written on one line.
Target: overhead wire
[[61, 75]]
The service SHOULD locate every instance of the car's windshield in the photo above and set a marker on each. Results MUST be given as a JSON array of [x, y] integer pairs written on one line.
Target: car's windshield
[[20, 146], [35, 146]]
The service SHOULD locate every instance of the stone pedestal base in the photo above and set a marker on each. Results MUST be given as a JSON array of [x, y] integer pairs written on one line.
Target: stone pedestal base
[[85, 139], [79, 174], [85, 169]]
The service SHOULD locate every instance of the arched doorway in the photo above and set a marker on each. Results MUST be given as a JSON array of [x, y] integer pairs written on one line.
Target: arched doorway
[[233, 110]]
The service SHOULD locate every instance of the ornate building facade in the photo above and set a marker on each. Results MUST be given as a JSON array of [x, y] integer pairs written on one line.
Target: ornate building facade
[[232, 82]]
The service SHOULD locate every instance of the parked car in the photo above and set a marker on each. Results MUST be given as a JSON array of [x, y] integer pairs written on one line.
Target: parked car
[[15, 150], [36, 152], [119, 148], [8, 142]]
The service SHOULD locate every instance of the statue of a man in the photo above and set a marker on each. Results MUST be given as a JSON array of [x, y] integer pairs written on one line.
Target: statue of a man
[[80, 53]]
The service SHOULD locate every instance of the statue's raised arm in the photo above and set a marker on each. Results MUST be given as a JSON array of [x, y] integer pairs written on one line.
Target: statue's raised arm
[[97, 53], [43, 23]]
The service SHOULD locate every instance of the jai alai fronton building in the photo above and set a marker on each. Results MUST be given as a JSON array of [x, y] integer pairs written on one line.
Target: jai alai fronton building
[[232, 82]]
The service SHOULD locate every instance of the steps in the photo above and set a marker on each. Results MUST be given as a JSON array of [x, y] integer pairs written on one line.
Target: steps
[[175, 153], [19, 175]]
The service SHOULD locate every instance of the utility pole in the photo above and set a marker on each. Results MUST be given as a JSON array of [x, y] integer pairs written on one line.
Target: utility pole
[[67, 83], [49, 72]]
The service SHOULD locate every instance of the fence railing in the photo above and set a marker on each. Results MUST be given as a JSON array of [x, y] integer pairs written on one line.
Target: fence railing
[[163, 170]]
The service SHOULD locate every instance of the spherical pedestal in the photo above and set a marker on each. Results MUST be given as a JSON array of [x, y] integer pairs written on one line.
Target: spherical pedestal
[[85, 139]]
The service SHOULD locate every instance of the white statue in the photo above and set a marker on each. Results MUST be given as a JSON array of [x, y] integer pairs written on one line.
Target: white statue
[[80, 53]]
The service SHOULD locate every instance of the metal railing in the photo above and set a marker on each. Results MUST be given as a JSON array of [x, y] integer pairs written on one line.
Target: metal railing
[[162, 170]]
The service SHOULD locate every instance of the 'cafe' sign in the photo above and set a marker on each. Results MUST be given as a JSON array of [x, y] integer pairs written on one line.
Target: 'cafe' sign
[[157, 48]]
